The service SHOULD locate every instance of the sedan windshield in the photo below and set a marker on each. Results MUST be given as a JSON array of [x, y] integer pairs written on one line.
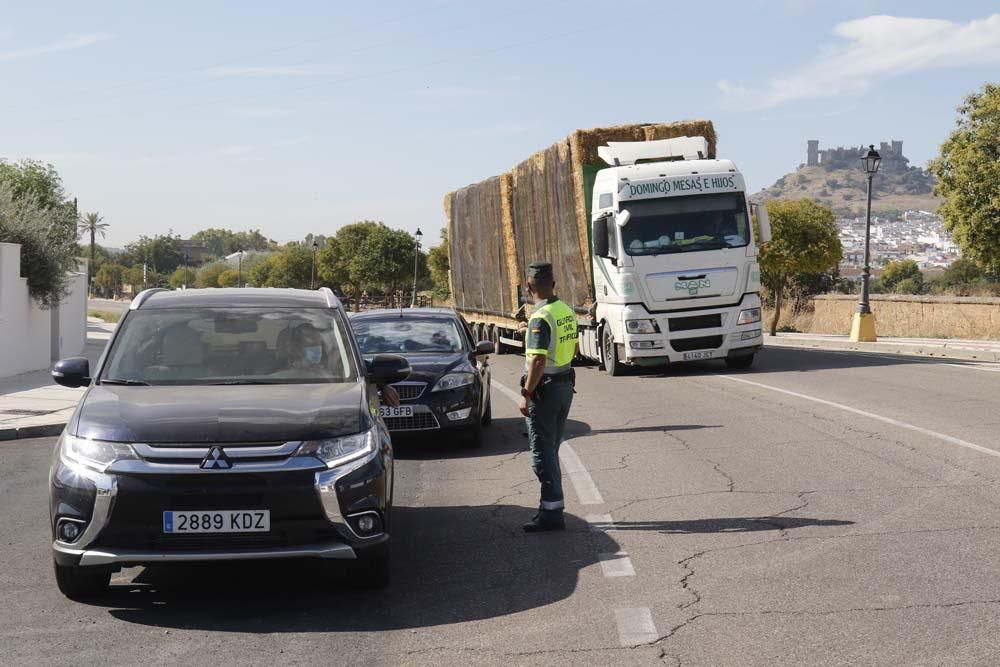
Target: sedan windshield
[[685, 224], [202, 346], [401, 335]]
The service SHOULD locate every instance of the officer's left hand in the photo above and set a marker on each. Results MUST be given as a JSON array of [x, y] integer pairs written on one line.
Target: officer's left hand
[[524, 406], [390, 397]]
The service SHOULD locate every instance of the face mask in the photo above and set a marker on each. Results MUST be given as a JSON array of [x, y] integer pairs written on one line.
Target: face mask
[[314, 354]]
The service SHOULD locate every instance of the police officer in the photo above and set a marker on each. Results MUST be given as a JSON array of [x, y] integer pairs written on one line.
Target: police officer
[[547, 391]]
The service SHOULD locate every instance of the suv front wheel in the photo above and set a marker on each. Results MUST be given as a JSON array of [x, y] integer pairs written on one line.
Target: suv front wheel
[[80, 583]]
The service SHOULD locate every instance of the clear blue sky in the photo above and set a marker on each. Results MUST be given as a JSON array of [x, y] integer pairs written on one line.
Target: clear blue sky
[[300, 117]]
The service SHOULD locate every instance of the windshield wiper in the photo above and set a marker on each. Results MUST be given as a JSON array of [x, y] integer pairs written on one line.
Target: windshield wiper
[[127, 383], [246, 382]]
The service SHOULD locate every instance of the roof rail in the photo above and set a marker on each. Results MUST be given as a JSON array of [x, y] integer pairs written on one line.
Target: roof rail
[[141, 297], [331, 298]]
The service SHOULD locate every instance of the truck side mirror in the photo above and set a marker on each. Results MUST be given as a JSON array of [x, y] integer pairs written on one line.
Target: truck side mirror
[[622, 217], [599, 233], [763, 223]]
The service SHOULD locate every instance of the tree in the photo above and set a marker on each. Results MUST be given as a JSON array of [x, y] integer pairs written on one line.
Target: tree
[[110, 279], [968, 172], [221, 242], [158, 252], [40, 183], [289, 267], [93, 225], [437, 261], [229, 278], [183, 276], [909, 285], [133, 276], [804, 240], [47, 255], [208, 275], [961, 272], [896, 272]]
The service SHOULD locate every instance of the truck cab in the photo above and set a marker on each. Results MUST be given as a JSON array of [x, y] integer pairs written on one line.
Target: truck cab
[[675, 269]]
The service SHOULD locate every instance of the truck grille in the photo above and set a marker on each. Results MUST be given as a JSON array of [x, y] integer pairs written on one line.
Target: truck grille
[[421, 421], [696, 322], [409, 391], [700, 343]]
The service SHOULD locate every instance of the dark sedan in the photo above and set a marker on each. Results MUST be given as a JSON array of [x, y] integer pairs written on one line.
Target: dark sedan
[[449, 385]]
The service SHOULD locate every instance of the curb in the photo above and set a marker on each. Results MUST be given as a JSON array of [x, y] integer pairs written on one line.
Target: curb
[[903, 349], [35, 431]]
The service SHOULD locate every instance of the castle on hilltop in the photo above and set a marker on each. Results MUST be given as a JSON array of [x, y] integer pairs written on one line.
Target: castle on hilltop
[[848, 158]]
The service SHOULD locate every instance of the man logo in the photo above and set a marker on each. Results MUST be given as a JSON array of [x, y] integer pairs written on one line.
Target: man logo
[[216, 460]]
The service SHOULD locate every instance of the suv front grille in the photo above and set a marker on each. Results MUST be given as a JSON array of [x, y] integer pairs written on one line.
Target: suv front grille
[[695, 322], [421, 421], [700, 343]]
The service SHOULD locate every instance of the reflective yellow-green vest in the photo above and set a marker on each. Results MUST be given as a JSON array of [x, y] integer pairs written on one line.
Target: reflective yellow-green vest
[[562, 336]]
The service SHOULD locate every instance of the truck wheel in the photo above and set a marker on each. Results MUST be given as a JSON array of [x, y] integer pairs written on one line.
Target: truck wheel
[[609, 354], [498, 347], [740, 363], [81, 583]]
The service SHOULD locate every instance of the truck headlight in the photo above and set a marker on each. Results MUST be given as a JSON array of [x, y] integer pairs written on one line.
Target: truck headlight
[[94, 454], [454, 381], [337, 451], [748, 316], [641, 327]]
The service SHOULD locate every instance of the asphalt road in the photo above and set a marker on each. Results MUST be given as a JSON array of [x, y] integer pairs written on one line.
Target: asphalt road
[[107, 305], [844, 509]]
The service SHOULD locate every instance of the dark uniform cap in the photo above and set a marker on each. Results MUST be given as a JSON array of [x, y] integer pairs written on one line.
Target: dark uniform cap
[[540, 271]]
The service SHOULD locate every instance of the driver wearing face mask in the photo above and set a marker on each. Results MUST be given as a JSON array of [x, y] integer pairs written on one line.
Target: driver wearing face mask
[[307, 349]]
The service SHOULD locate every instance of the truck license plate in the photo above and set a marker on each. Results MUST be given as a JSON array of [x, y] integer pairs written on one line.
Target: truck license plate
[[217, 521], [401, 411], [705, 354]]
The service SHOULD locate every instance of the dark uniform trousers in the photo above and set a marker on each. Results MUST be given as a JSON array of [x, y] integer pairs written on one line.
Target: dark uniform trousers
[[546, 421]]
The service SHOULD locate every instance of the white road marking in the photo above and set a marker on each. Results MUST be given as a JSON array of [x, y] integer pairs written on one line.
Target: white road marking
[[993, 368], [871, 415], [581, 480], [616, 564], [635, 626]]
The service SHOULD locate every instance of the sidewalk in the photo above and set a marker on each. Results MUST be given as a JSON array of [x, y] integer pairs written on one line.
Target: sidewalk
[[944, 348], [32, 405]]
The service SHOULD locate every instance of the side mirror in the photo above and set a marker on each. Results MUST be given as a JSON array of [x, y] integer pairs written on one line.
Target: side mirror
[[622, 217], [763, 224], [599, 234], [484, 347], [388, 369], [72, 372]]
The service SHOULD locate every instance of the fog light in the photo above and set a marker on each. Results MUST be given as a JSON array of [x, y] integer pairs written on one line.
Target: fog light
[[646, 345], [69, 531], [459, 414], [747, 335], [366, 523]]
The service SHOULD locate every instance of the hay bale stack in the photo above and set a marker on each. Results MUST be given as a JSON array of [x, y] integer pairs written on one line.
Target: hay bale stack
[[476, 244]]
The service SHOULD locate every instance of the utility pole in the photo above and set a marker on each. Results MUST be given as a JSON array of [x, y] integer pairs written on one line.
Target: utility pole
[[416, 256]]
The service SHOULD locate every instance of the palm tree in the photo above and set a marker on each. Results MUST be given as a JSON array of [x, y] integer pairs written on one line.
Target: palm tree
[[93, 224]]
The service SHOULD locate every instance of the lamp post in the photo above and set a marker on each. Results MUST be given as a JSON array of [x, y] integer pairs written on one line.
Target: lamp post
[[239, 268], [312, 274], [863, 326], [416, 256]]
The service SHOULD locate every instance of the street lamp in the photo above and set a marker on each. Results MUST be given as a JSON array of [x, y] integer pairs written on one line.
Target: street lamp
[[416, 255], [863, 326], [312, 275], [239, 268]]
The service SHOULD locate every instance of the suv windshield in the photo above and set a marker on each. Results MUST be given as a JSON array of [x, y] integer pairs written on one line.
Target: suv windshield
[[686, 224], [402, 335], [197, 346]]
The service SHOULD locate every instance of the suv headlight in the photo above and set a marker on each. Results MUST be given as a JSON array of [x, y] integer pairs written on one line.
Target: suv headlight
[[454, 381], [748, 316], [337, 451], [641, 326], [95, 454]]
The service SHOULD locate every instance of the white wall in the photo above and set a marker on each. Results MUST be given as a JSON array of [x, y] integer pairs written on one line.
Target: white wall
[[26, 329]]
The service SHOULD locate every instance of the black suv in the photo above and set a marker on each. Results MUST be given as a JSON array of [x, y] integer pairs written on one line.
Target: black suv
[[223, 424]]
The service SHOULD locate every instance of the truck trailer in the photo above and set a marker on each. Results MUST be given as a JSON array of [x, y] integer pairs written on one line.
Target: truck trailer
[[650, 235]]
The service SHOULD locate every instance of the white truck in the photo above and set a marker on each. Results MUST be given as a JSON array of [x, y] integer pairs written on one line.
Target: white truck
[[655, 248]]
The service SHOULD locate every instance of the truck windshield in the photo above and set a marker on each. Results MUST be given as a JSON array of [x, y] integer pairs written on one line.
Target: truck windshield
[[686, 224], [198, 346]]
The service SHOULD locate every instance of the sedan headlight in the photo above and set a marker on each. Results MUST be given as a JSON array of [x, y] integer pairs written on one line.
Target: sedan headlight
[[454, 381], [748, 316], [94, 454], [641, 326], [337, 451]]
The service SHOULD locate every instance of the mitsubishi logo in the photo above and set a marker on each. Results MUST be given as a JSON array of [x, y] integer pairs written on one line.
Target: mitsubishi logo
[[216, 459]]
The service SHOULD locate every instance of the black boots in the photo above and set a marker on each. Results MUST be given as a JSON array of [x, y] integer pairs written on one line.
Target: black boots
[[541, 524]]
